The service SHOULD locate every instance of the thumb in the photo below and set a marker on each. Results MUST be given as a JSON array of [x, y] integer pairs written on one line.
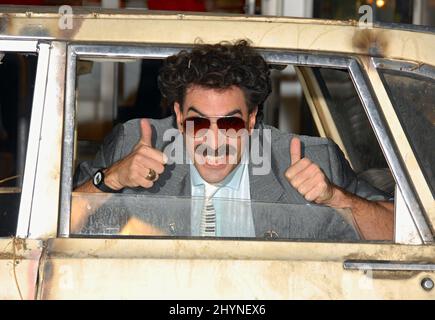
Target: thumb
[[146, 132], [295, 150]]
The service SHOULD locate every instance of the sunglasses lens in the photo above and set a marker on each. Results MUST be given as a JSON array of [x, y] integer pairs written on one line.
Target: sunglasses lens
[[196, 125], [231, 124]]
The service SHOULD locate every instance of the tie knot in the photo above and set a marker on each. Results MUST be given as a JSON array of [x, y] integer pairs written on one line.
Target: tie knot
[[210, 190]]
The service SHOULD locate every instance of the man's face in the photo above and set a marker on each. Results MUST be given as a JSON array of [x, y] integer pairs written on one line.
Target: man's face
[[215, 152]]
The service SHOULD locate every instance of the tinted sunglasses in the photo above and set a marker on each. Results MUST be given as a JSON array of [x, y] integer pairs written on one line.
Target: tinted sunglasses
[[230, 124]]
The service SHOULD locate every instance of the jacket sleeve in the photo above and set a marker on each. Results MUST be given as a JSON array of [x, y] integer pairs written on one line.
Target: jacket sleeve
[[343, 176], [109, 152]]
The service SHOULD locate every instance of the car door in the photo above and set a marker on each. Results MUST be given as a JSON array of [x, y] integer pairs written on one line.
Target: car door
[[75, 265], [109, 266], [32, 214]]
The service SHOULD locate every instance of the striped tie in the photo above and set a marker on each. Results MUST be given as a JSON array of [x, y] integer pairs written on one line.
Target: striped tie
[[208, 220]]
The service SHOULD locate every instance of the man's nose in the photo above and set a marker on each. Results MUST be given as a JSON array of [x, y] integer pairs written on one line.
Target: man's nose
[[217, 138]]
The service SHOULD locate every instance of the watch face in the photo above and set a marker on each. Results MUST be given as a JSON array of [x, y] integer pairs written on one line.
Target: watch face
[[97, 178]]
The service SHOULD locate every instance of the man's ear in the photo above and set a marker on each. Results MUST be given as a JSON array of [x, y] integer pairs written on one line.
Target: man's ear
[[179, 116], [252, 119]]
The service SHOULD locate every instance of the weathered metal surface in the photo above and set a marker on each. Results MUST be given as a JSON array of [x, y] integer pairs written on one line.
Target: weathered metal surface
[[193, 269], [266, 32], [19, 263], [45, 211], [33, 143], [85, 268], [39, 211]]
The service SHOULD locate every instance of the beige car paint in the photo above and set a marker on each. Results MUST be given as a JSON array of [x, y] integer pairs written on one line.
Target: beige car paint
[[174, 268]]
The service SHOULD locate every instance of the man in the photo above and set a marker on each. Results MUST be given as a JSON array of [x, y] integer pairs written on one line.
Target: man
[[217, 92]]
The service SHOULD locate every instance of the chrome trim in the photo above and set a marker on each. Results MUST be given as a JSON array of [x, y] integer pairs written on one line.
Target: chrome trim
[[45, 202], [18, 45], [390, 151], [410, 67], [33, 140], [125, 52], [306, 59], [405, 231], [68, 145], [387, 266]]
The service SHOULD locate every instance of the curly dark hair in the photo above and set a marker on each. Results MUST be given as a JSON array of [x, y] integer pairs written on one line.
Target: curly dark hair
[[217, 66]]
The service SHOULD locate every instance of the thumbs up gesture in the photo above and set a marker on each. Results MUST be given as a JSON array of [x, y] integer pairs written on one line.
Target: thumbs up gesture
[[142, 164], [307, 177]]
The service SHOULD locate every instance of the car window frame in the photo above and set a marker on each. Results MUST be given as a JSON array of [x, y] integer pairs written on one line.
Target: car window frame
[[406, 231], [417, 184], [408, 68], [39, 205], [275, 56]]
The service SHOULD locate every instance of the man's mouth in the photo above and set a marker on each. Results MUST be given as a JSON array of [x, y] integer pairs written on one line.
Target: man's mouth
[[215, 158], [216, 161]]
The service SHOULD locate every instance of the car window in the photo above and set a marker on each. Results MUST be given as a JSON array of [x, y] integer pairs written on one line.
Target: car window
[[354, 128], [167, 216], [17, 77], [413, 99], [103, 123]]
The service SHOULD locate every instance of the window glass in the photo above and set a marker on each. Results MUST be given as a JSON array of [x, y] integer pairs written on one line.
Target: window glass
[[413, 98], [354, 128], [17, 77], [162, 216], [114, 92]]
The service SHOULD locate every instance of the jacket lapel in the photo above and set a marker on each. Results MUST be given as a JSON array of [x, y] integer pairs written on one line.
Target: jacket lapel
[[270, 220]]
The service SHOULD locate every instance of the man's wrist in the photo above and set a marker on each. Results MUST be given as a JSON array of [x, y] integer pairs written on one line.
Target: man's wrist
[[110, 179], [340, 199]]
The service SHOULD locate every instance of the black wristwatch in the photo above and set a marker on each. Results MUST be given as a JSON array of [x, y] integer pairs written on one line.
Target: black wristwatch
[[98, 181]]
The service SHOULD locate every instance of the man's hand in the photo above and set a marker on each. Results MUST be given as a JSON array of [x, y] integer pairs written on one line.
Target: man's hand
[[307, 177], [374, 220], [136, 227], [133, 169]]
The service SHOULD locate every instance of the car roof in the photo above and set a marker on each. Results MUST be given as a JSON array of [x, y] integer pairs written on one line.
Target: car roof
[[129, 13], [132, 26]]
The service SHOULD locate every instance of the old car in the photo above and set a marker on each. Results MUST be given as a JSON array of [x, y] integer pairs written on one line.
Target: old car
[[370, 89]]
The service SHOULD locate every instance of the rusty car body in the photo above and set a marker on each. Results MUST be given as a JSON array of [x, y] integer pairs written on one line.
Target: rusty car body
[[43, 260]]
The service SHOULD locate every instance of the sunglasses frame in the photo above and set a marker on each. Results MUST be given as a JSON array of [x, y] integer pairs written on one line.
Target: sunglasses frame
[[246, 125]]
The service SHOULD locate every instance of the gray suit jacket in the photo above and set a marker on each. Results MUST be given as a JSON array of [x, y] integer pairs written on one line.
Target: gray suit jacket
[[284, 220]]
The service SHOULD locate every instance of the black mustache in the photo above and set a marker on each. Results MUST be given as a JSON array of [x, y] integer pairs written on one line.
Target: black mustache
[[225, 149]]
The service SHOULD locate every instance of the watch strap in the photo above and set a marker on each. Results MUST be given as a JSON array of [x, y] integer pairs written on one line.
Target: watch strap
[[98, 181]]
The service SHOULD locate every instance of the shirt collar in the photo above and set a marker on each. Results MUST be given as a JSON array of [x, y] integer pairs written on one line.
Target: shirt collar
[[232, 181]]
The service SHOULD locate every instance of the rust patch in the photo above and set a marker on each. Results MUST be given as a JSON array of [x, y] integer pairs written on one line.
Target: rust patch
[[20, 244], [394, 275], [371, 42], [10, 256], [16, 244]]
